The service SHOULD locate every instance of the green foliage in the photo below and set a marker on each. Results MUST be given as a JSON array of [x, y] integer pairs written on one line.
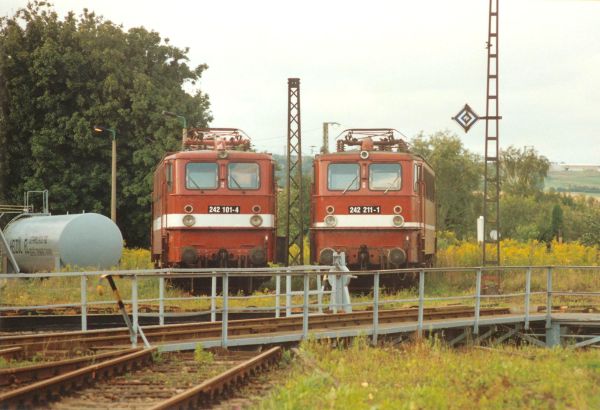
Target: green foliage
[[523, 171], [458, 175], [592, 234], [429, 375], [522, 217], [202, 356], [157, 357], [58, 77], [557, 221], [282, 206], [546, 216], [446, 239], [286, 358]]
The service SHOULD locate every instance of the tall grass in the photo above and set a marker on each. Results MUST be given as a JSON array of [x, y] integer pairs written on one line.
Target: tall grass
[[532, 253], [431, 376], [515, 253]]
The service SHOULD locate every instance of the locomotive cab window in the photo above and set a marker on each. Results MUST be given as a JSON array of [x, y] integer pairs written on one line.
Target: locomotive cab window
[[385, 177], [243, 175], [201, 175], [343, 177], [169, 176], [429, 185], [417, 177]]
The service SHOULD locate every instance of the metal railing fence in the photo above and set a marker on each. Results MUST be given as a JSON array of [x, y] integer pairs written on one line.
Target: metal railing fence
[[308, 302]]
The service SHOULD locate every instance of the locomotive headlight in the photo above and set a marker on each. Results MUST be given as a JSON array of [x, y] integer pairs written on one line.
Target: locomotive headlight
[[330, 221], [397, 256], [397, 209], [256, 220], [189, 220], [329, 209], [398, 220], [258, 256]]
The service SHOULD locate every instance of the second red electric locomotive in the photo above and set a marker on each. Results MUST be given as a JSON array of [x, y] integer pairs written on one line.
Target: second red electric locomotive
[[375, 203]]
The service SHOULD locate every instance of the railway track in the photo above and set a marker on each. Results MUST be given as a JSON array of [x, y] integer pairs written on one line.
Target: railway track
[[57, 321], [139, 378], [208, 390], [91, 310], [98, 339], [37, 394], [10, 352], [13, 377]]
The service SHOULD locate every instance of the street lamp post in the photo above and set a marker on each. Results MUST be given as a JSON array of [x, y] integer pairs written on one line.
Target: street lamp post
[[183, 123], [113, 185]]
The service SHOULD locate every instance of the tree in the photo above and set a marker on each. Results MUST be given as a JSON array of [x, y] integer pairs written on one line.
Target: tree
[[58, 77], [557, 221], [523, 171], [522, 217], [458, 175]]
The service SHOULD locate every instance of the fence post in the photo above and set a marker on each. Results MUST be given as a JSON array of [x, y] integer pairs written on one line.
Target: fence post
[[553, 335], [161, 301], [319, 292], [277, 293], [83, 302], [213, 297], [549, 298], [477, 302], [421, 303], [527, 296], [134, 306], [339, 278], [288, 295], [305, 308], [225, 312], [375, 308], [334, 295]]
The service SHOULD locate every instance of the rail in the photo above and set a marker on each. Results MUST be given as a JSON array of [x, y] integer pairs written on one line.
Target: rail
[[38, 394], [197, 396], [526, 285]]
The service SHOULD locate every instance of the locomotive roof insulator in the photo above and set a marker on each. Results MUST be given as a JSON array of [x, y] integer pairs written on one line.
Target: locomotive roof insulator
[[367, 144], [372, 139], [219, 139]]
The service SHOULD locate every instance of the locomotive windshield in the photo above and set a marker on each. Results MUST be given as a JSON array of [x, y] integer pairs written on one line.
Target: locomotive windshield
[[243, 175], [385, 177], [342, 177], [201, 175]]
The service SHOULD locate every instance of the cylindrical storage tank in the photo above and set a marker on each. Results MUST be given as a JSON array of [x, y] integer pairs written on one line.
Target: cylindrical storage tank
[[48, 243]]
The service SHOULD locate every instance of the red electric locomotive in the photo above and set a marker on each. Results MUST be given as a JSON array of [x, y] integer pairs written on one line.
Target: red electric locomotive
[[214, 204], [376, 203]]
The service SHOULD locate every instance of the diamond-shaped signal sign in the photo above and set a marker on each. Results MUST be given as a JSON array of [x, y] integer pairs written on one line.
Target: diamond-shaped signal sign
[[466, 117]]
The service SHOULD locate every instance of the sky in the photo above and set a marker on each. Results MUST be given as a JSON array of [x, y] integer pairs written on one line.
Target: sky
[[408, 65]]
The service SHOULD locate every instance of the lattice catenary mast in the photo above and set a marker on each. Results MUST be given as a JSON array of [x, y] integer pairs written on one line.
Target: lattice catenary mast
[[295, 211], [491, 208], [466, 118]]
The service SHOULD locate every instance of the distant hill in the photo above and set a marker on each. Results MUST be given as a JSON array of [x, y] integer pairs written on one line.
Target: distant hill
[[576, 181]]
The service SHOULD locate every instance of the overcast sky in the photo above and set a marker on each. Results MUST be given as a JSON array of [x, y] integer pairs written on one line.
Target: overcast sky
[[409, 65]]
